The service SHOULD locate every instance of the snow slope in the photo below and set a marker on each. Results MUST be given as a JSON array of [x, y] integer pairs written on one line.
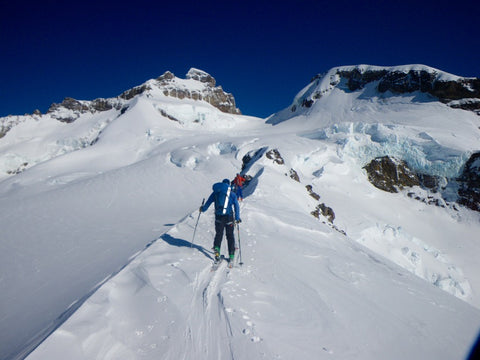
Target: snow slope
[[304, 291], [96, 237]]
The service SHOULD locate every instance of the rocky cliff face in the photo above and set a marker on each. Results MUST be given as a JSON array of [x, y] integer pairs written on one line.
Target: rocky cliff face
[[426, 81], [71, 109], [205, 90]]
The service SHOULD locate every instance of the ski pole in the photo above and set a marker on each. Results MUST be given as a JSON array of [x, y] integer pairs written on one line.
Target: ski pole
[[198, 218], [239, 246]]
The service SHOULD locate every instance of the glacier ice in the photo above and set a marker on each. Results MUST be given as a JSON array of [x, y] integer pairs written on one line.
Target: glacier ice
[[419, 150]]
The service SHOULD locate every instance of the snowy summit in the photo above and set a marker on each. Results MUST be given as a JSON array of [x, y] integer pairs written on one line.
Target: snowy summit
[[358, 240]]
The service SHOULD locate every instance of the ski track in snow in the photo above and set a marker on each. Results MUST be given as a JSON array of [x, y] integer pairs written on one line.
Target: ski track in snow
[[213, 323], [201, 307], [164, 309]]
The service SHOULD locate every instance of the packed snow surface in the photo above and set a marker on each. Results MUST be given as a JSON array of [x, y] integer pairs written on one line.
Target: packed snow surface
[[99, 261]]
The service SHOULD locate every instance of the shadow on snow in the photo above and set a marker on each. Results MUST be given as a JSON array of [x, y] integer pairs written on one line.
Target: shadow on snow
[[252, 184], [170, 240]]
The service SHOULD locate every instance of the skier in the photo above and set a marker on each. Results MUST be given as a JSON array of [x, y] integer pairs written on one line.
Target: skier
[[225, 219], [239, 181]]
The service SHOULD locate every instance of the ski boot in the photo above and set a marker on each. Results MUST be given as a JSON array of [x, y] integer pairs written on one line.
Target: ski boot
[[217, 254], [231, 260]]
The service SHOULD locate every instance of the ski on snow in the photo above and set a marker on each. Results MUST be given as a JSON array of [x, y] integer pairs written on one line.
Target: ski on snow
[[216, 263]]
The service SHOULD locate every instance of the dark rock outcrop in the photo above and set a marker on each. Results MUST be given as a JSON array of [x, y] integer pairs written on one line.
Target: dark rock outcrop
[[312, 193], [357, 79], [137, 90], [3, 131], [294, 175], [469, 181], [466, 104], [274, 155], [78, 108], [390, 174], [401, 82], [325, 211], [168, 116], [69, 104], [201, 76]]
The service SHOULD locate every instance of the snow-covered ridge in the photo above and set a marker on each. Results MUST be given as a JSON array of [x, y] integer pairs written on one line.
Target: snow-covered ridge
[[198, 85], [76, 124], [445, 87]]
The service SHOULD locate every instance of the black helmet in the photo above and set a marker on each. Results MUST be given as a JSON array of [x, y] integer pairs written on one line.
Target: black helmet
[[226, 181]]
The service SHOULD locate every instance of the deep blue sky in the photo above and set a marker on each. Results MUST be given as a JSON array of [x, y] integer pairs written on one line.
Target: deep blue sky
[[263, 52]]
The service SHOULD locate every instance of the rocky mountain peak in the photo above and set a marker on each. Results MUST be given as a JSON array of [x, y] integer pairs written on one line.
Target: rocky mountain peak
[[201, 76], [198, 85]]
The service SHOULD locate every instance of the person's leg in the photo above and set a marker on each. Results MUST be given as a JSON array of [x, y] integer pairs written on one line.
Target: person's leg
[[219, 226], [230, 238]]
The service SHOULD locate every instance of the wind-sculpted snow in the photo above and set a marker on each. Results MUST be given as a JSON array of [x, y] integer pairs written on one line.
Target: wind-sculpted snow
[[417, 257], [192, 157], [221, 148]]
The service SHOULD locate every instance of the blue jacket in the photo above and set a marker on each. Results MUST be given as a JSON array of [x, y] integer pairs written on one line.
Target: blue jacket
[[223, 205]]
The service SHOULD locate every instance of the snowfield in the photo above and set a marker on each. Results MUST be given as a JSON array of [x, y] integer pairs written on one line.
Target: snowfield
[[97, 258]]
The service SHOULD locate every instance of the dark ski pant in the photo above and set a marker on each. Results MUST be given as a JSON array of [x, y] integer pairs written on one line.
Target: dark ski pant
[[224, 222]]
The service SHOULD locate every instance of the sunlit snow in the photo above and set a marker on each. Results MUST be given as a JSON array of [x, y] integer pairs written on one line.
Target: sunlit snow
[[97, 260]]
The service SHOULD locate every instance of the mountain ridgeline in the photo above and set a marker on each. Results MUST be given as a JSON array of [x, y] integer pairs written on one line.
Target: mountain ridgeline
[[205, 90], [388, 172]]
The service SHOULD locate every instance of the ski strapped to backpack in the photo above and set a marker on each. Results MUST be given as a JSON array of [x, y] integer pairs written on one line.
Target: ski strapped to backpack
[[225, 205]]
